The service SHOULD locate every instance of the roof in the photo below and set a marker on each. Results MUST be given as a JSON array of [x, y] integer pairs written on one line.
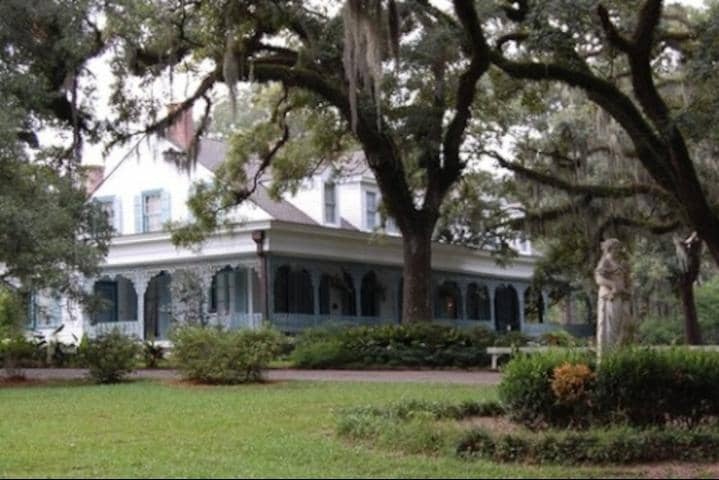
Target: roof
[[212, 153]]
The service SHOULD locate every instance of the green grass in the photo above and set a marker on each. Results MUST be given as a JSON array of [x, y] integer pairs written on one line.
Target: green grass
[[147, 429]]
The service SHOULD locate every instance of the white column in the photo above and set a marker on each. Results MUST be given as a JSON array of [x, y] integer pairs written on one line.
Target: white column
[[521, 290], [140, 281], [250, 291], [491, 289]]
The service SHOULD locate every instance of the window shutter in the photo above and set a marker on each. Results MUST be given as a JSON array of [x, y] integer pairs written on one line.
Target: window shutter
[[138, 214], [165, 205], [117, 213]]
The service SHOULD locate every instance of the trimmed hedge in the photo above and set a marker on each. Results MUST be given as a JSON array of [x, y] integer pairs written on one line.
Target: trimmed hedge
[[633, 386], [413, 345], [616, 446], [215, 356]]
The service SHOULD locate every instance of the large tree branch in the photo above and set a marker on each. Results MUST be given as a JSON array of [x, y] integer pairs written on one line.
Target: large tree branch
[[650, 149], [591, 190], [439, 184]]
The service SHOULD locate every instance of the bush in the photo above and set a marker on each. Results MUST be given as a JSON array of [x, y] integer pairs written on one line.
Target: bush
[[15, 352], [615, 446], [153, 353], [215, 356], [633, 386], [414, 345], [110, 357], [648, 387], [526, 388]]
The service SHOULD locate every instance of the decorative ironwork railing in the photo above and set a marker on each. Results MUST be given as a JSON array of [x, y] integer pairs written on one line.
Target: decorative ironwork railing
[[130, 329]]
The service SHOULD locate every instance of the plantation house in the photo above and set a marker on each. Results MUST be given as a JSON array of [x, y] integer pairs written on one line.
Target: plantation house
[[319, 256]]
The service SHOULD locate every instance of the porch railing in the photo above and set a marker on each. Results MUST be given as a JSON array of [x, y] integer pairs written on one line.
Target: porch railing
[[537, 329], [237, 320], [297, 322], [130, 329]]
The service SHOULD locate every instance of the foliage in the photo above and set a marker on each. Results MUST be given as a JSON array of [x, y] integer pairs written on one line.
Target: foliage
[[15, 351], [614, 446], [110, 357], [526, 388], [153, 353], [408, 409], [188, 293], [11, 312], [215, 356], [668, 330], [572, 384], [633, 386], [50, 235], [413, 345]]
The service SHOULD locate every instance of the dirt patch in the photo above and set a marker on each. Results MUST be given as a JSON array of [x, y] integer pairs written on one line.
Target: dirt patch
[[20, 381], [182, 383], [495, 425], [674, 470]]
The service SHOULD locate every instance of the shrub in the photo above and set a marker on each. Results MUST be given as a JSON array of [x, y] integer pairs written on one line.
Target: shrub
[[110, 357], [414, 345], [647, 387], [615, 446], [153, 353], [15, 352], [526, 388], [215, 356], [633, 386]]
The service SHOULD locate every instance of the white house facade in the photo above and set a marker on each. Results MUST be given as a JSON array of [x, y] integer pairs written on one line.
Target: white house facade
[[316, 257]]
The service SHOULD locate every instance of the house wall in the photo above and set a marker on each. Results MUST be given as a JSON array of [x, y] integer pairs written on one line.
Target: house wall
[[144, 169]]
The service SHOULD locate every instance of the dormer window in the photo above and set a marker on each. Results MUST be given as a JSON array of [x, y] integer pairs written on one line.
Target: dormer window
[[330, 203], [370, 210]]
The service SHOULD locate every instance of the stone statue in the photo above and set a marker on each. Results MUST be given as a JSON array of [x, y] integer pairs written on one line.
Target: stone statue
[[614, 322]]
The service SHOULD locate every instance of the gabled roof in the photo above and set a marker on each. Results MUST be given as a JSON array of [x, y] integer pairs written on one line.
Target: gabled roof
[[212, 153]]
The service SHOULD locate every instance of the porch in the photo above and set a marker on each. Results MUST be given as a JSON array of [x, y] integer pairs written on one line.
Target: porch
[[300, 293]]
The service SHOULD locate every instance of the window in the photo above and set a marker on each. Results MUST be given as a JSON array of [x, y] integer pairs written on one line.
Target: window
[[106, 291], [151, 212], [330, 203], [370, 210]]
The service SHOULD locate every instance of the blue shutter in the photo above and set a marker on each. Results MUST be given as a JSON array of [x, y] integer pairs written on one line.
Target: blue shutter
[[165, 205], [117, 213], [138, 214]]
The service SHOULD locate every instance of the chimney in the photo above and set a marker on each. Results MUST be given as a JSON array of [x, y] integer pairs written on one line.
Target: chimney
[[181, 131], [94, 175]]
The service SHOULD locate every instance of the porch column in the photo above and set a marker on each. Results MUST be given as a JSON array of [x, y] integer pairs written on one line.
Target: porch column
[[545, 306], [491, 290], [140, 281], [250, 291], [521, 290], [232, 287]]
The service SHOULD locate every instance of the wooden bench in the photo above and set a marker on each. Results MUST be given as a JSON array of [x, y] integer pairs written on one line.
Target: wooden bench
[[496, 352]]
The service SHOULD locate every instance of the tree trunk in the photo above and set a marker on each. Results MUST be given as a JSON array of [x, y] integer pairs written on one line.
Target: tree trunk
[[689, 256], [692, 330], [417, 283]]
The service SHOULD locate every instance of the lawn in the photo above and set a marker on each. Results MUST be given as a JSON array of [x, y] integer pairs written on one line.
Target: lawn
[[151, 429]]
